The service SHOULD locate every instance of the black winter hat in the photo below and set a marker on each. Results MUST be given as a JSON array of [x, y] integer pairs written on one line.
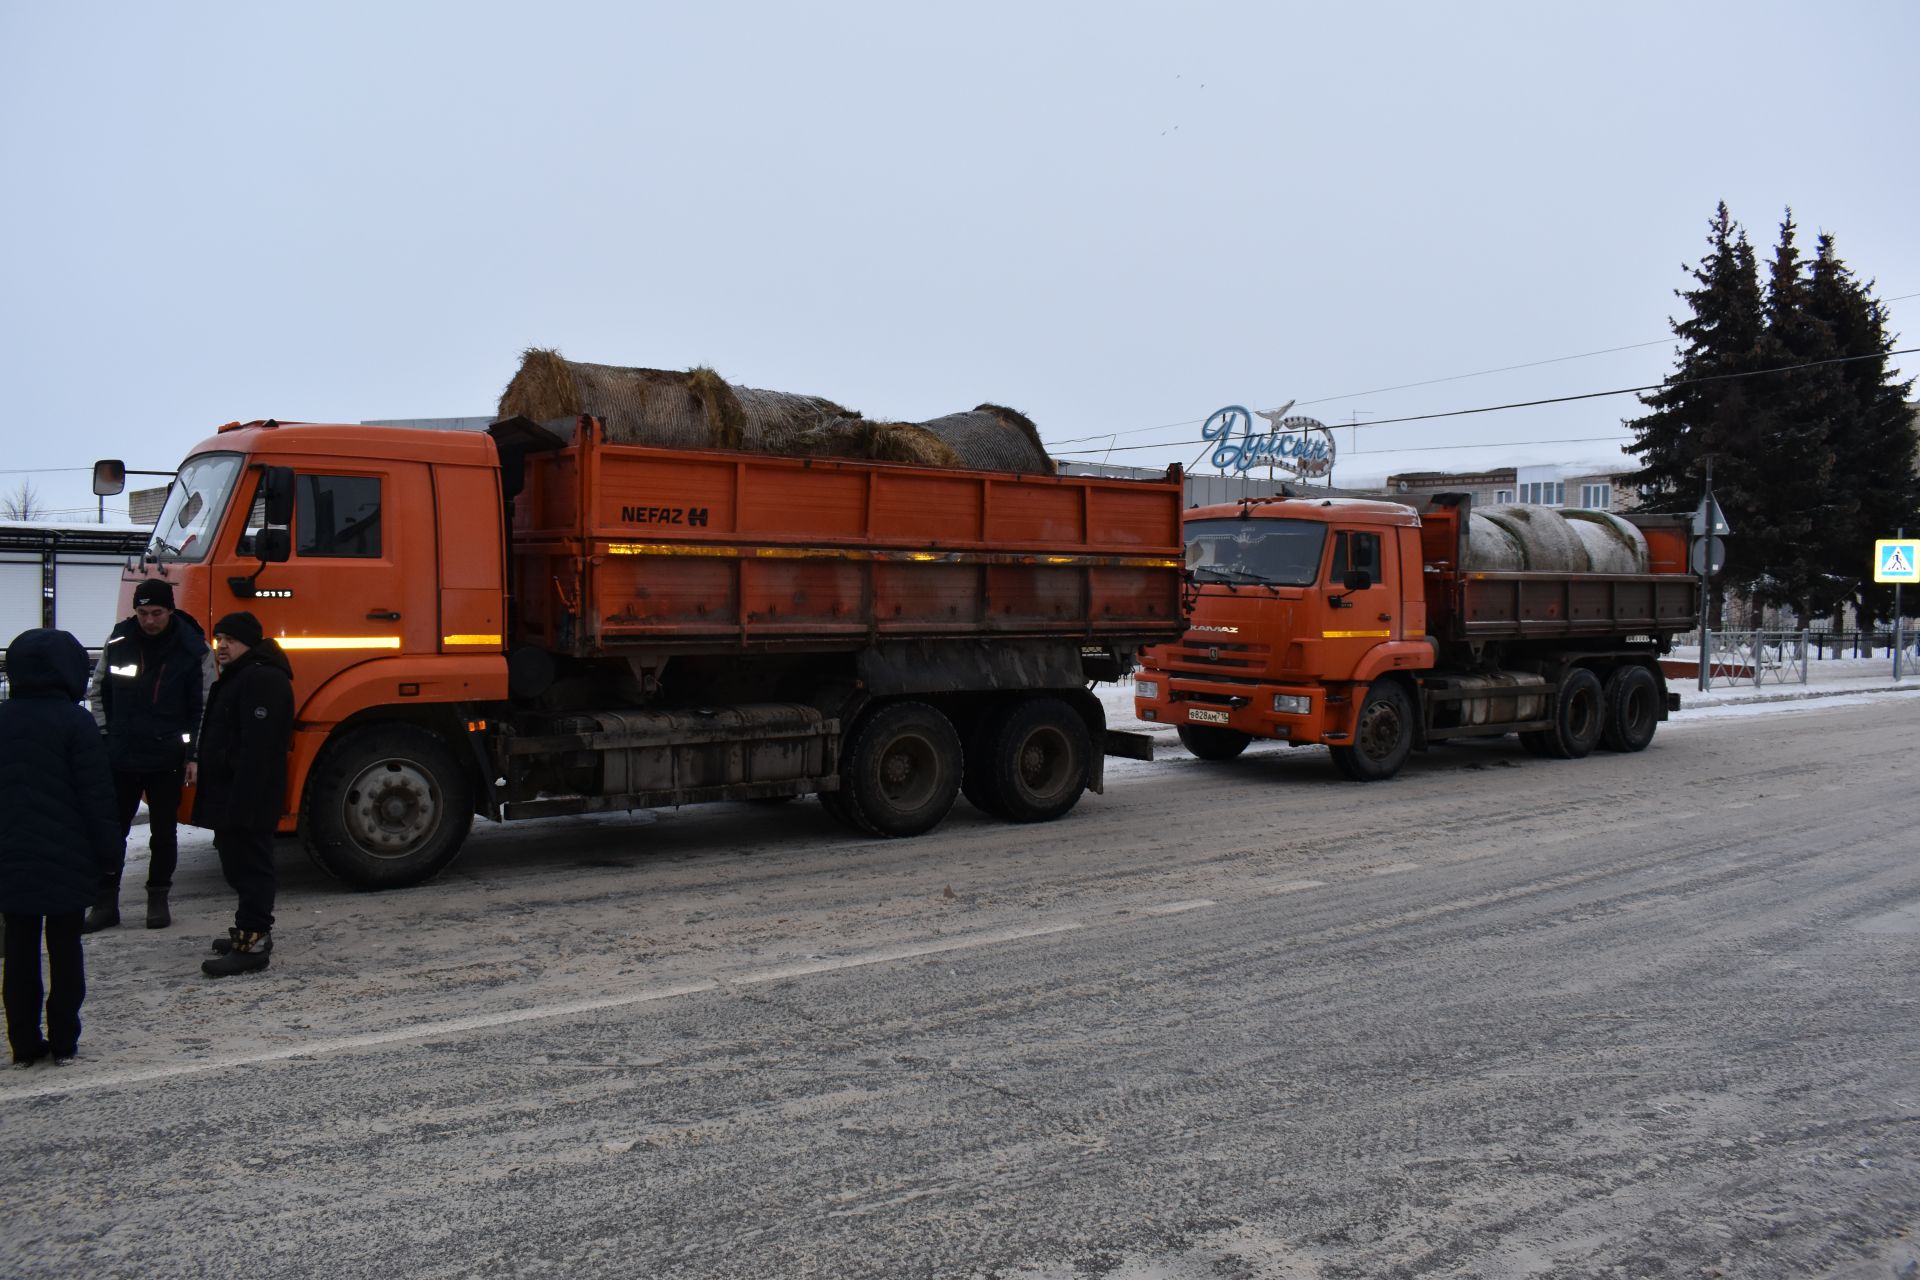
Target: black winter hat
[[153, 591], [241, 626]]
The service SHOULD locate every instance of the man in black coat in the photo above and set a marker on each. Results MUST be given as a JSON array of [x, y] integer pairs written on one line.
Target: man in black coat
[[240, 781], [57, 839], [150, 684]]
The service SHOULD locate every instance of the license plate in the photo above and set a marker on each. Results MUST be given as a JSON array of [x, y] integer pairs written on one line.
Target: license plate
[[1205, 716]]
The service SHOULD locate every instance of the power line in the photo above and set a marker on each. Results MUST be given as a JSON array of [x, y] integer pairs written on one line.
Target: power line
[[1587, 395], [1405, 386], [1505, 368], [1503, 444]]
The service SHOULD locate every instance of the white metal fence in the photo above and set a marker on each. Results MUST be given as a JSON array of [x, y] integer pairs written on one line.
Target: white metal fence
[[1751, 657]]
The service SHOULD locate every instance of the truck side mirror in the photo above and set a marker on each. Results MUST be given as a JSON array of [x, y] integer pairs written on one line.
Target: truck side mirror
[[273, 545], [276, 491], [1357, 580], [109, 477]]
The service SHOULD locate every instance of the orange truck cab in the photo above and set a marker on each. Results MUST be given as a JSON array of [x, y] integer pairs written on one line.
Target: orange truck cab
[[531, 621], [1364, 626]]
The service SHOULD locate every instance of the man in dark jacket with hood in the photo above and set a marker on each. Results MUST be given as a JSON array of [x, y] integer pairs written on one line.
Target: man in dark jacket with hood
[[150, 683], [57, 838], [240, 781]]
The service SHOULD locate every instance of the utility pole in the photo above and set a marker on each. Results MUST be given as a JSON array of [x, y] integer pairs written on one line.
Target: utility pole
[[1709, 526], [1899, 631]]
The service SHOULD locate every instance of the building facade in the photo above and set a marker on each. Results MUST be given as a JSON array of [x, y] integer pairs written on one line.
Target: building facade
[[1546, 486]]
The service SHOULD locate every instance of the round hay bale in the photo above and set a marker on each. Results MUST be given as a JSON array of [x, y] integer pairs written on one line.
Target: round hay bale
[[855, 437], [994, 438], [698, 409], [695, 409], [1491, 548], [1613, 545], [1547, 545]]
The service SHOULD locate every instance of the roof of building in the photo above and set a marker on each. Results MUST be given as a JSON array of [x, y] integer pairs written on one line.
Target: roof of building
[[1370, 470]]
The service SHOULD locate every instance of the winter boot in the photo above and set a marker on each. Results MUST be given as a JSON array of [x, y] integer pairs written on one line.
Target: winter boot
[[102, 915], [221, 946], [158, 917], [249, 953]]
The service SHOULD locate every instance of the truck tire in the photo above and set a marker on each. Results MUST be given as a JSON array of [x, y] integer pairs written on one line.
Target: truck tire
[[1037, 767], [1382, 736], [1632, 700], [1538, 742], [387, 806], [976, 777], [1213, 744], [835, 803], [1579, 715], [902, 770]]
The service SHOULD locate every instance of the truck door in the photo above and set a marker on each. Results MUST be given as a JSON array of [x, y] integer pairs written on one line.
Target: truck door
[[1357, 620], [341, 597]]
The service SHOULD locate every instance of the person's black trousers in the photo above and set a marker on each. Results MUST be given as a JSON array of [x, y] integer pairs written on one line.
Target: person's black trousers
[[246, 859], [66, 984], [162, 790]]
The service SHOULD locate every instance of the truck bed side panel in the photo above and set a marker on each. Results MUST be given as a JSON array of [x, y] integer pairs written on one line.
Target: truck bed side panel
[[625, 547]]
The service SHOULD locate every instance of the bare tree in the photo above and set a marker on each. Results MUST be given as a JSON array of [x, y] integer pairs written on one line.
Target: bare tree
[[22, 504]]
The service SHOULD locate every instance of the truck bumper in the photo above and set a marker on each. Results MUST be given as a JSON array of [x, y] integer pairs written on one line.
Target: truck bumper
[[1250, 708]]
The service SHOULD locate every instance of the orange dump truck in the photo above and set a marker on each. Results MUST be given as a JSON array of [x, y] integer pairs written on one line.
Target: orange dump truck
[[1378, 629], [530, 621]]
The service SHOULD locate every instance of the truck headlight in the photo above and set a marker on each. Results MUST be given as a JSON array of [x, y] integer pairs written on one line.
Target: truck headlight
[[1290, 704], [1148, 689]]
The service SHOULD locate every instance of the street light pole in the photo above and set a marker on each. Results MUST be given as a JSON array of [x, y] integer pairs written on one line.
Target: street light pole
[[1706, 563]]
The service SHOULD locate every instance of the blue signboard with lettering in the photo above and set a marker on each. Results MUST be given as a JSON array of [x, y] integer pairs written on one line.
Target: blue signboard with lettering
[[1303, 446]]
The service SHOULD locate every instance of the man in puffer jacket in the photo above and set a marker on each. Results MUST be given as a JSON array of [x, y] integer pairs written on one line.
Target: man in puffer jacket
[[240, 781], [150, 683], [57, 840]]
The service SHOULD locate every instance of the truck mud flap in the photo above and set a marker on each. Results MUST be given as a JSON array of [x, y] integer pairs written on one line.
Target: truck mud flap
[[1130, 746]]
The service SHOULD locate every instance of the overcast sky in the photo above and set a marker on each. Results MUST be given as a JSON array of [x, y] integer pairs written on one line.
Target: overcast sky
[[1114, 217]]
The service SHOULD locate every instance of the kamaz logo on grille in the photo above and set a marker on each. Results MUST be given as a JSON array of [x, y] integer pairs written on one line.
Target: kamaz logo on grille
[[1231, 631]]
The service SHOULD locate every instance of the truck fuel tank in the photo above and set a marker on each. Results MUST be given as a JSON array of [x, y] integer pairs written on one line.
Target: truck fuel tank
[[1498, 697], [690, 750]]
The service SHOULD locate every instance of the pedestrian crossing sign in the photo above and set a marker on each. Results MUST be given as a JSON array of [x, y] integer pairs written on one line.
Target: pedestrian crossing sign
[[1896, 560]]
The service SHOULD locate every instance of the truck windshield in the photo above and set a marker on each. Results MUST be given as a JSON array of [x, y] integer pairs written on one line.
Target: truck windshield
[[194, 505], [1277, 553]]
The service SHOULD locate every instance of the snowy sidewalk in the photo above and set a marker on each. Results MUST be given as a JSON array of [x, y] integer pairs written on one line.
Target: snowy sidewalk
[[1833, 677]]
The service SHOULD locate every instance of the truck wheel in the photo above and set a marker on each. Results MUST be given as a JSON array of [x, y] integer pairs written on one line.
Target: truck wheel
[[835, 803], [1037, 767], [1632, 705], [902, 771], [1383, 736], [386, 807], [1213, 744], [976, 778], [1578, 716]]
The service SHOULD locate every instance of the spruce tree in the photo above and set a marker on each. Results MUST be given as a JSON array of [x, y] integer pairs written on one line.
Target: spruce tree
[[1872, 439], [1789, 467], [1700, 411], [1707, 409]]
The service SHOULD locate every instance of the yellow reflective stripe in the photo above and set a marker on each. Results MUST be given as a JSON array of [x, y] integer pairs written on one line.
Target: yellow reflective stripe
[[1355, 635], [339, 642], [668, 549], [470, 640], [844, 553]]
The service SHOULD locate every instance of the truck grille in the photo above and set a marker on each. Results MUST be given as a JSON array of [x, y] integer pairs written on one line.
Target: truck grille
[[1202, 656]]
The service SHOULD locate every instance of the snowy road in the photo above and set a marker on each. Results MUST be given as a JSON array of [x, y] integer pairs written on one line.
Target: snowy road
[[1641, 1016]]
